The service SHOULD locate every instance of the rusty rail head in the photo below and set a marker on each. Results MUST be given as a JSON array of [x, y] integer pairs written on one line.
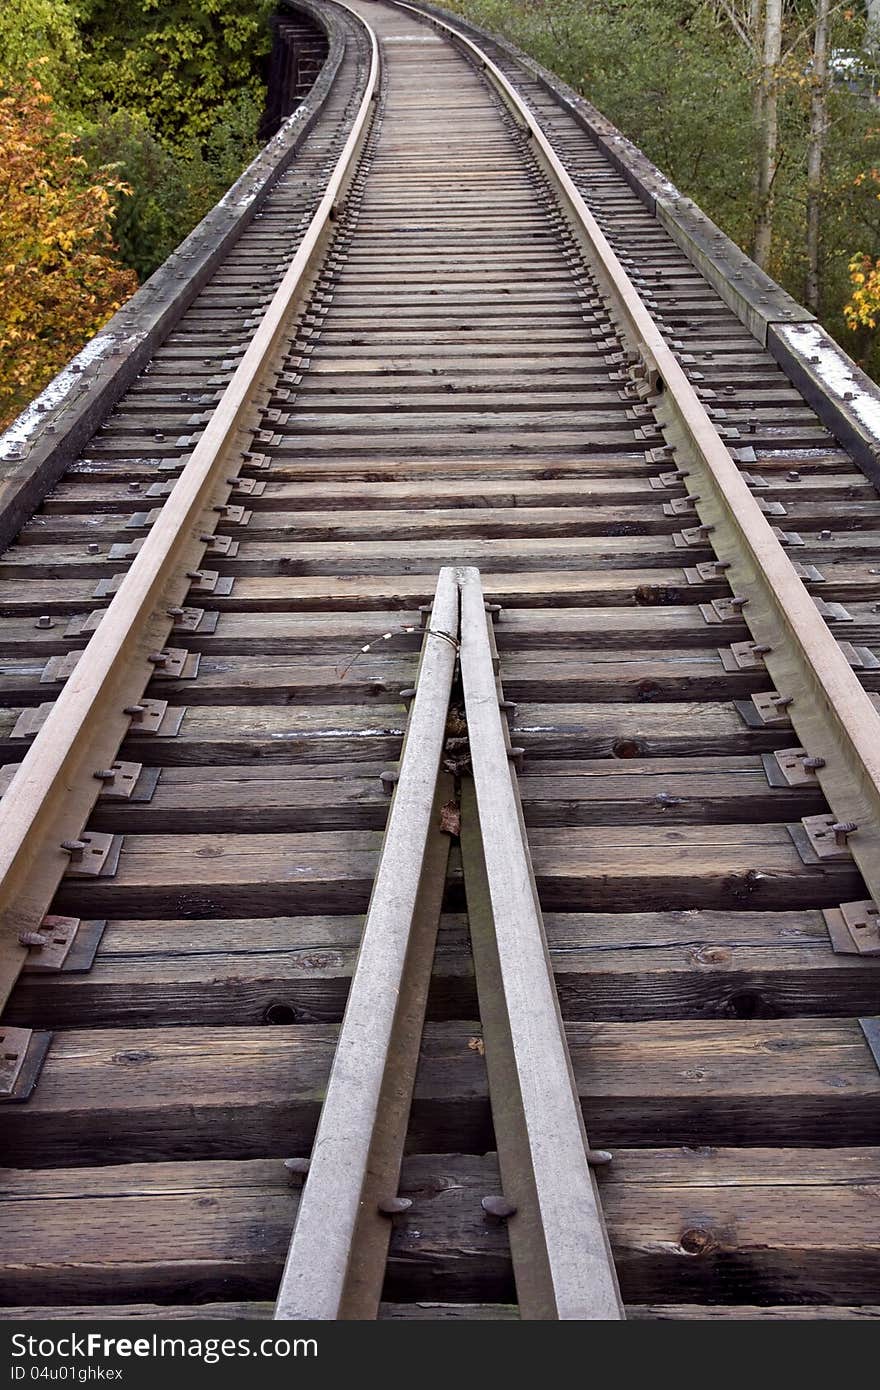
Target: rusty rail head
[[833, 716], [53, 791]]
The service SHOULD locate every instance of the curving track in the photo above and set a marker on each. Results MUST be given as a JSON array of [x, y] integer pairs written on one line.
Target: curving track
[[452, 376]]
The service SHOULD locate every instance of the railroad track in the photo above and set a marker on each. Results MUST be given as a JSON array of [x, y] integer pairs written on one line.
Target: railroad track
[[513, 617]]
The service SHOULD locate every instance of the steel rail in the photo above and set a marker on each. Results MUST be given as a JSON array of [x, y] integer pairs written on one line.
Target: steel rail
[[336, 1258], [562, 1258], [835, 720], [54, 790]]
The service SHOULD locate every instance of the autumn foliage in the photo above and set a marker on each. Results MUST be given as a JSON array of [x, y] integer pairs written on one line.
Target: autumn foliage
[[59, 281], [863, 307]]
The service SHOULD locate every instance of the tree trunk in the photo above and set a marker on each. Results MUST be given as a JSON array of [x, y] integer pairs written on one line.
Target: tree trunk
[[872, 33], [816, 150], [756, 14], [768, 131]]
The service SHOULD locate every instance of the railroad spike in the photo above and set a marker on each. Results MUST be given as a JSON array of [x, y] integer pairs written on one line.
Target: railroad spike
[[599, 1158], [842, 831], [394, 1206], [32, 939], [498, 1208], [297, 1170]]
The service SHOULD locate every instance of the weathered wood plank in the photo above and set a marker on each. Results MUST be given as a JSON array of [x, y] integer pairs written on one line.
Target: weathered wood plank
[[444, 1312], [80, 494], [818, 1312], [601, 791], [577, 869], [212, 734], [426, 523], [256, 586], [385, 557], [608, 967], [646, 587], [100, 495], [685, 674], [35, 559], [220, 1230], [118, 1095], [652, 628]]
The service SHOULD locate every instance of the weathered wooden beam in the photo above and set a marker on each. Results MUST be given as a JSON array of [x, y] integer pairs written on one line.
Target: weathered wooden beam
[[608, 966], [125, 1094], [701, 1223]]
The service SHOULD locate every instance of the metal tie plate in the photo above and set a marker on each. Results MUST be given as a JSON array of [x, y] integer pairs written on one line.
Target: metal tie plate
[[31, 721], [60, 668], [765, 710], [121, 780], [22, 1053], [98, 856], [828, 838], [82, 623], [156, 717], [789, 767], [49, 948], [176, 664], [854, 928], [742, 656], [871, 1029]]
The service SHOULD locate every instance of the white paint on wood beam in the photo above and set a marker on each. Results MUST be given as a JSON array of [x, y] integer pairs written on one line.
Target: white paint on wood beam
[[834, 368]]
